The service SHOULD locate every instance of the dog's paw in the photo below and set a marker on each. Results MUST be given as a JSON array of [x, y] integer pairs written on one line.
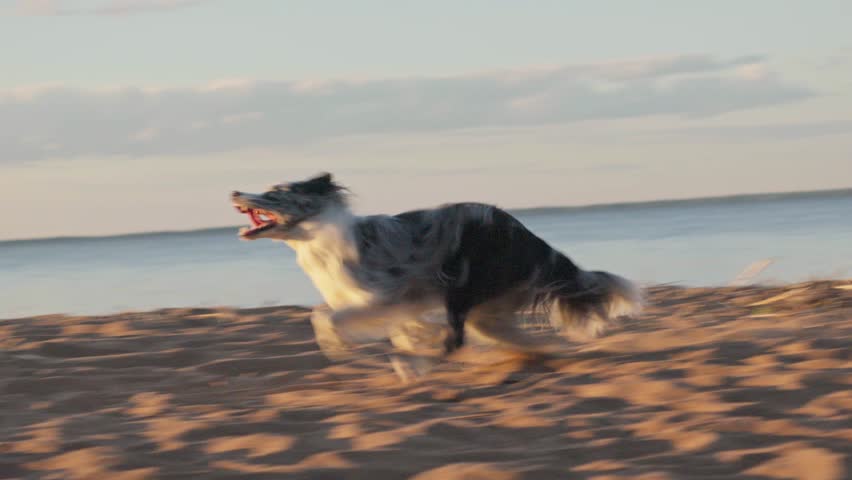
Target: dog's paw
[[411, 368], [334, 349]]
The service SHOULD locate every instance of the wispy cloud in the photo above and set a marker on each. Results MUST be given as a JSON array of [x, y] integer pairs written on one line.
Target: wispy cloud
[[104, 7], [52, 121]]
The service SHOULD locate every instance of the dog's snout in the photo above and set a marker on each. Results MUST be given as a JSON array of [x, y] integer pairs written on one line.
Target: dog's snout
[[236, 193]]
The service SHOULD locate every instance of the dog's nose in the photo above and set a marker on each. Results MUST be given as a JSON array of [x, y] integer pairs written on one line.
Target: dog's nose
[[236, 193]]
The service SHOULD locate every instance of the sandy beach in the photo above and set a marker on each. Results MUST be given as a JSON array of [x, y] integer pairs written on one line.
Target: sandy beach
[[745, 382]]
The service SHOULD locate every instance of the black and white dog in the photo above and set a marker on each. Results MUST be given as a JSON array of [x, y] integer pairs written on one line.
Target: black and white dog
[[381, 275]]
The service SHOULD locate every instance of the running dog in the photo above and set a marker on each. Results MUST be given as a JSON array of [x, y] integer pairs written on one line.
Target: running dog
[[381, 275]]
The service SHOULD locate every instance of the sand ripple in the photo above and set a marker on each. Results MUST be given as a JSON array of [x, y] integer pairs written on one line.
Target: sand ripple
[[743, 382]]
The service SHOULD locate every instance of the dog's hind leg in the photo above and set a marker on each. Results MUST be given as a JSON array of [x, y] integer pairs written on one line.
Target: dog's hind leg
[[498, 324], [458, 305]]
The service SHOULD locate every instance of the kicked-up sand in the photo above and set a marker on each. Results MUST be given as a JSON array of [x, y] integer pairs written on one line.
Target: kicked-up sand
[[746, 382]]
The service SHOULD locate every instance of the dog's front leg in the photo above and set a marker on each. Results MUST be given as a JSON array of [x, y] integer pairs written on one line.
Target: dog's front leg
[[330, 342], [420, 342], [421, 345], [338, 331]]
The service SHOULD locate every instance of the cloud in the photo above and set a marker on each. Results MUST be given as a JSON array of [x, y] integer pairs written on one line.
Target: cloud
[[104, 7], [53, 121]]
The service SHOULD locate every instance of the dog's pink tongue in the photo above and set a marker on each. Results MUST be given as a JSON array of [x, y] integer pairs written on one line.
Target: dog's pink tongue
[[255, 220]]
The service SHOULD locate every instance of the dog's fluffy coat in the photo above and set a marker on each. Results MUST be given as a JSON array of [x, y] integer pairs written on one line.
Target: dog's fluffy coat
[[379, 275]]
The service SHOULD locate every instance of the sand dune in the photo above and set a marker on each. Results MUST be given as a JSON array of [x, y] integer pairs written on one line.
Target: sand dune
[[743, 382]]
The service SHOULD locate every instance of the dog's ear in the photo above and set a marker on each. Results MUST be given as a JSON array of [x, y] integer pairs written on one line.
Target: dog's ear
[[321, 184], [323, 178]]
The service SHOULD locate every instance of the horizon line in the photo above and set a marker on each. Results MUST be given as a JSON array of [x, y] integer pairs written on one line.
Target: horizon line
[[847, 191]]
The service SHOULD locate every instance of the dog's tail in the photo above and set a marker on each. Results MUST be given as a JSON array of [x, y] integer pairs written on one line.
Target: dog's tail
[[585, 302]]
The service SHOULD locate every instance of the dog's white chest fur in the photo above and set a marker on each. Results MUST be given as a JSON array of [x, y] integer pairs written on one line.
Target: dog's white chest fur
[[334, 282], [324, 260]]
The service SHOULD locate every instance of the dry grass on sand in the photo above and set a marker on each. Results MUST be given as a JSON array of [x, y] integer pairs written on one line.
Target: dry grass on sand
[[742, 382]]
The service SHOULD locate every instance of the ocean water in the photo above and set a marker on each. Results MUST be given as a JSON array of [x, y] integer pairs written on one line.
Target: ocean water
[[694, 242]]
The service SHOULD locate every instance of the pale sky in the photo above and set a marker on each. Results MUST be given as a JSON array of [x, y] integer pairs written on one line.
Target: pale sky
[[137, 115]]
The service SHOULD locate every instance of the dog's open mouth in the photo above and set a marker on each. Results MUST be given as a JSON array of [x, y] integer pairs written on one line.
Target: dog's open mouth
[[261, 220]]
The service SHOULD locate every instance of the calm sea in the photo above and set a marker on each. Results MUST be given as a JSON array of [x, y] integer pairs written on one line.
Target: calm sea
[[694, 242]]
